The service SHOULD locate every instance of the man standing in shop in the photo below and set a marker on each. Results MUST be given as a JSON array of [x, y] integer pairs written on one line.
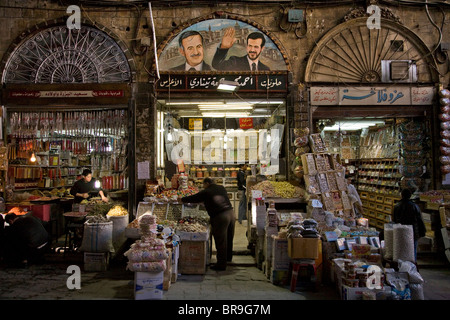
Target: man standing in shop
[[222, 219], [251, 61], [80, 190], [242, 189], [191, 48], [407, 212]]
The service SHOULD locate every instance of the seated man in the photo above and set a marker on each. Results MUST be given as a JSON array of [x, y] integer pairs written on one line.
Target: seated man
[[25, 240]]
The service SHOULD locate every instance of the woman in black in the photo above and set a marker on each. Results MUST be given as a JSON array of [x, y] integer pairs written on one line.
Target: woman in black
[[221, 213], [80, 190]]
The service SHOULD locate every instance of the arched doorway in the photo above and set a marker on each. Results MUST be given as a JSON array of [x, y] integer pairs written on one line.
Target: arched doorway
[[74, 86], [368, 84]]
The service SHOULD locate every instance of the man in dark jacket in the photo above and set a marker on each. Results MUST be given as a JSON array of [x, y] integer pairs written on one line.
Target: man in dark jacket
[[82, 187], [251, 61], [407, 212], [242, 189], [25, 240], [221, 213]]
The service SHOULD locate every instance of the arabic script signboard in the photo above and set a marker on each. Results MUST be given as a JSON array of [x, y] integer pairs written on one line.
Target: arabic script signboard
[[182, 82], [383, 96]]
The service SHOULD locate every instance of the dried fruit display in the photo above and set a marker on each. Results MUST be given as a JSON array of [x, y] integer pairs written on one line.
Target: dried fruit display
[[309, 163], [345, 201], [321, 163], [337, 202], [323, 184], [317, 143], [340, 180], [327, 201], [331, 178], [312, 185]]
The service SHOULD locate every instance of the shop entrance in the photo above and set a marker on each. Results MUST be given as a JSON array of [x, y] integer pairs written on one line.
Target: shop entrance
[[380, 154], [225, 120]]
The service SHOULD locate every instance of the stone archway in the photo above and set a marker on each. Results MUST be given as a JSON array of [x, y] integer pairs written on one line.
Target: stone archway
[[52, 53], [352, 53]]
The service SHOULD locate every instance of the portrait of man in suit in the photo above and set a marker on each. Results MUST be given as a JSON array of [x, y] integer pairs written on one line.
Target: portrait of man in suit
[[190, 45], [251, 61]]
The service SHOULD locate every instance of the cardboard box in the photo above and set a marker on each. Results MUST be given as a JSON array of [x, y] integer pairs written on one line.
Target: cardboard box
[[192, 258], [303, 248], [280, 257], [193, 236], [96, 261], [148, 285], [349, 293]]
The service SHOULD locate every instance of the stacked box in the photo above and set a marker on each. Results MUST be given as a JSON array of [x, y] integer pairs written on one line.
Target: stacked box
[[148, 285], [94, 261], [175, 256], [280, 258], [192, 258]]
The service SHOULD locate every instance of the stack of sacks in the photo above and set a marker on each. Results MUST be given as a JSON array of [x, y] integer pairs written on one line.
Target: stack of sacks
[[310, 229], [148, 254]]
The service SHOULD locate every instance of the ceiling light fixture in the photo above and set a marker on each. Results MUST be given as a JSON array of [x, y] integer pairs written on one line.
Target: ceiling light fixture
[[228, 86]]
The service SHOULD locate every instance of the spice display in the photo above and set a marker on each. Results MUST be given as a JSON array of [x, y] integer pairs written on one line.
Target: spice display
[[340, 180], [311, 184], [337, 201], [345, 201], [323, 184], [327, 201], [279, 189], [321, 163], [317, 143], [309, 163], [117, 211], [332, 183]]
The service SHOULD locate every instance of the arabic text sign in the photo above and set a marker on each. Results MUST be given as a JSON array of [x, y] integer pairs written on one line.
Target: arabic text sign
[[211, 82], [67, 94], [372, 95]]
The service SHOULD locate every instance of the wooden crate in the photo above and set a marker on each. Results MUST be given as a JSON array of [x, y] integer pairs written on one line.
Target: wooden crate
[[379, 198], [372, 197], [372, 205], [389, 200], [387, 209], [364, 195]]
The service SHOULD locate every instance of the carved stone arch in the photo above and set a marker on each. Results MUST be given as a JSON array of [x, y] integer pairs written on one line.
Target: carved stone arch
[[51, 53], [352, 53], [218, 15]]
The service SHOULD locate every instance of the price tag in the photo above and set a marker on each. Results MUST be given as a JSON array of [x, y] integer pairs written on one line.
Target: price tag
[[316, 203], [346, 161], [256, 194]]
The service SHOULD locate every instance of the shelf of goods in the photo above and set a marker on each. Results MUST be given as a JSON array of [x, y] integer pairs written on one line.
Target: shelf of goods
[[65, 143], [379, 175], [378, 208], [225, 175]]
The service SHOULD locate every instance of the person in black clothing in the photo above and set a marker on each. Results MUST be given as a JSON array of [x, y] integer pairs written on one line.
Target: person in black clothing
[[80, 190], [222, 219], [25, 240], [407, 212], [242, 189]]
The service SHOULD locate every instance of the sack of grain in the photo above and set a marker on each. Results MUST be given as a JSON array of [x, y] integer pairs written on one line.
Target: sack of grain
[[403, 243]]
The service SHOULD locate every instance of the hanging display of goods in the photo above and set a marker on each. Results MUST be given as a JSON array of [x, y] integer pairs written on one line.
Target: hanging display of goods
[[445, 134], [445, 108], [301, 141], [411, 127], [302, 150], [445, 169], [444, 93], [411, 145], [444, 101], [412, 183], [411, 172], [444, 117], [445, 151], [298, 160], [411, 154], [444, 159], [445, 125], [445, 142], [301, 132]]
